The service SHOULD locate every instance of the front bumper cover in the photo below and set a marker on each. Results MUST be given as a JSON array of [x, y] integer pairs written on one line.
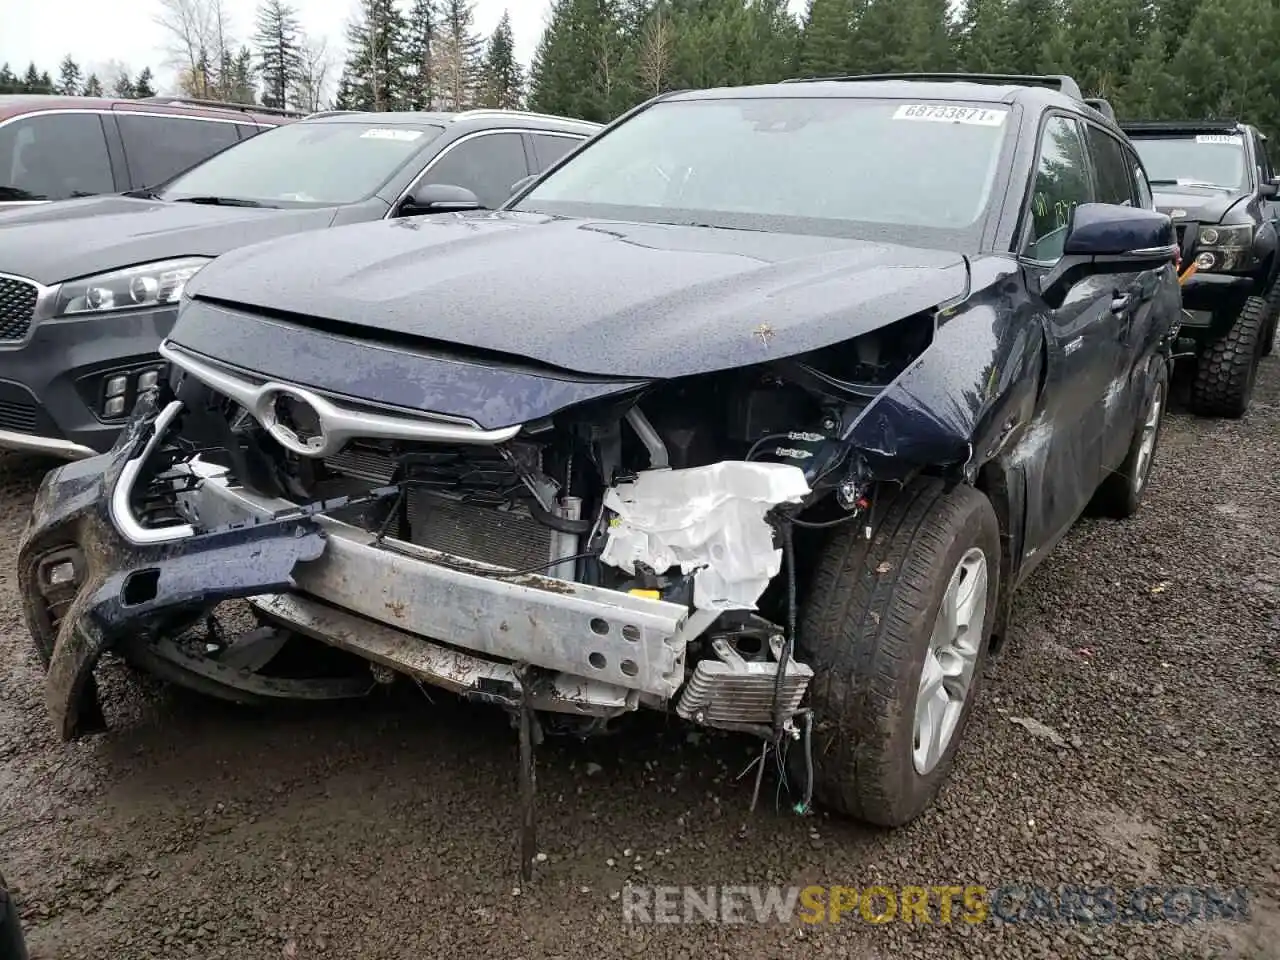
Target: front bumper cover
[[576, 648]]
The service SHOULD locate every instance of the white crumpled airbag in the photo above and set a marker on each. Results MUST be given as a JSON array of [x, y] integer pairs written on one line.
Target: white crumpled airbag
[[705, 519]]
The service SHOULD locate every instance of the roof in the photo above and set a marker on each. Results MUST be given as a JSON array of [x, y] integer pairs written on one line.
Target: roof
[[972, 91], [12, 105], [391, 118]]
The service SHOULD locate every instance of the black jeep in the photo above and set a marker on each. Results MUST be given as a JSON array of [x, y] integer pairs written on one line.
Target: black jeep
[[1215, 180], [757, 409]]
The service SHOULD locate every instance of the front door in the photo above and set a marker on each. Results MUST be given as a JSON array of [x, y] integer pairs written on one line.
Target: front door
[[1062, 453]]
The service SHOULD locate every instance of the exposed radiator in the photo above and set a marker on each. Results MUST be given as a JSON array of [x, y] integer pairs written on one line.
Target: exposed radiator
[[503, 538], [460, 516], [729, 691]]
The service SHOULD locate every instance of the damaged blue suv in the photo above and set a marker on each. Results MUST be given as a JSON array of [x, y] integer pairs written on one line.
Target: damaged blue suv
[[757, 409]]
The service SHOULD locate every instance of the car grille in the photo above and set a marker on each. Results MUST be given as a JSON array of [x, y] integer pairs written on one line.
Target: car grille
[[17, 416], [17, 307]]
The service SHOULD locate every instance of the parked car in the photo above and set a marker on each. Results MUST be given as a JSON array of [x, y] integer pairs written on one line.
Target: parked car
[[89, 288], [1215, 180], [756, 408], [57, 148]]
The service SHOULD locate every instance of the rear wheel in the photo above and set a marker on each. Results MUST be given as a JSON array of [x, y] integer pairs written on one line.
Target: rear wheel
[[1120, 494], [1227, 368], [896, 630]]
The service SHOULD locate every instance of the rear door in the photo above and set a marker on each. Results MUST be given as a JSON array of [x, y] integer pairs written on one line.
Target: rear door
[[54, 156], [157, 148], [1063, 451], [548, 147]]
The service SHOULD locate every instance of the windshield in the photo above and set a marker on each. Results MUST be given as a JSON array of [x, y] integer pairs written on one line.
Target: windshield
[[303, 164], [1207, 160], [801, 165]]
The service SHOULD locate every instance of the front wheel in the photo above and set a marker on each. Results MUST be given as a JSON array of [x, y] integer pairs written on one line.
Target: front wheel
[[1273, 310], [1228, 366], [896, 630]]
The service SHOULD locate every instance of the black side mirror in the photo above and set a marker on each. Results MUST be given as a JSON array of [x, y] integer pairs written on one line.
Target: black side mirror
[[440, 198], [1270, 190], [1105, 236]]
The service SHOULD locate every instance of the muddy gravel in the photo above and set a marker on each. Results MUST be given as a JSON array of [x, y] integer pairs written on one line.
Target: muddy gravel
[[1126, 737]]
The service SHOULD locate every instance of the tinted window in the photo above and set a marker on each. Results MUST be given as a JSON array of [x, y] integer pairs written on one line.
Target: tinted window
[[1265, 170], [1145, 199], [246, 130], [310, 163], [1111, 168], [548, 149], [1061, 185], [829, 166], [54, 157], [488, 166], [157, 148]]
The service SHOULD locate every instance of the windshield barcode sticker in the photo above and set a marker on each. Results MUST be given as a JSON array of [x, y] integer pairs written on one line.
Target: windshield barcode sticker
[[1220, 138], [939, 113], [383, 134]]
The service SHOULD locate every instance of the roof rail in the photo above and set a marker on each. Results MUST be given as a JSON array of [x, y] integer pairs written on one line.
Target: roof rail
[[1102, 106], [1181, 126], [328, 113], [222, 105], [496, 112], [1063, 84]]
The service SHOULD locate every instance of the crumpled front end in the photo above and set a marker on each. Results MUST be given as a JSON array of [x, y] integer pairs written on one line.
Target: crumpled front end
[[622, 544]]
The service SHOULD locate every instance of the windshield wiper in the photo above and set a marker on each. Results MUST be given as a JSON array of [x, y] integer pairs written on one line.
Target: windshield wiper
[[1187, 183], [221, 201]]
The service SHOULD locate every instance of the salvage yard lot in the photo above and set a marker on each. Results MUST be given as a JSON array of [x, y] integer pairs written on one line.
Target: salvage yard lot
[[386, 828]]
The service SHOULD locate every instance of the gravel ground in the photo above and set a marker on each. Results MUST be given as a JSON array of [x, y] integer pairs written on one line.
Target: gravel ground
[[385, 828]]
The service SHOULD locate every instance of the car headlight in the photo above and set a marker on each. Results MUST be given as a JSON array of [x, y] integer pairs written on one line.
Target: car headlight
[[1224, 248], [148, 285]]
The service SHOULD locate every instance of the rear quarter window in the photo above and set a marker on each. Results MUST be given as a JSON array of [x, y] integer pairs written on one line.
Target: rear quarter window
[[54, 156], [158, 148]]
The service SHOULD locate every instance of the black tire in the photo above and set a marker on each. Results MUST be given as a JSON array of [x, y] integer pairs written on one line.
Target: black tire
[[1120, 494], [1273, 311], [1227, 368], [12, 944], [866, 627]]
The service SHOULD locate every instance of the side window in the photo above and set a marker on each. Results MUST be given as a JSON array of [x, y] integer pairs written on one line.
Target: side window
[[1265, 169], [54, 157], [1112, 168], [158, 148], [488, 166], [549, 148], [1061, 184], [247, 130], [1145, 197]]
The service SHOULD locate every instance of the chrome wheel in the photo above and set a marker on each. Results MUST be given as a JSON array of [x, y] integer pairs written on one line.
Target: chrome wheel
[[947, 676], [1150, 429]]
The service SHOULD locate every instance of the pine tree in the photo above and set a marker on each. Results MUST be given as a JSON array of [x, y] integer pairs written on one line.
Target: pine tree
[[144, 86], [419, 54], [93, 86], [8, 81], [503, 78], [68, 77], [279, 50], [982, 36], [1153, 88], [828, 38], [31, 81], [459, 55], [1097, 39], [375, 66], [123, 87], [46, 83]]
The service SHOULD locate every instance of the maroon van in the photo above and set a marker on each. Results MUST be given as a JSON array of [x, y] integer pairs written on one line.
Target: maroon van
[[56, 148]]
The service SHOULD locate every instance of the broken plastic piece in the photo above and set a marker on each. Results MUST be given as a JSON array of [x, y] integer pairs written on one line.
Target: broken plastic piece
[[709, 521]]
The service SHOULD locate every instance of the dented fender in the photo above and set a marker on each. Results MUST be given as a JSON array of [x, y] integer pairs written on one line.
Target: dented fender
[[957, 403]]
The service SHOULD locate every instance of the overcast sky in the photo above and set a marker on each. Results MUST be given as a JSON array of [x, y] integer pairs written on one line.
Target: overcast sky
[[97, 31]]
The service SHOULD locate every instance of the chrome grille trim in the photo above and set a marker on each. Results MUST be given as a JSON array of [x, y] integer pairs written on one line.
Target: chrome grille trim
[[340, 421]]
